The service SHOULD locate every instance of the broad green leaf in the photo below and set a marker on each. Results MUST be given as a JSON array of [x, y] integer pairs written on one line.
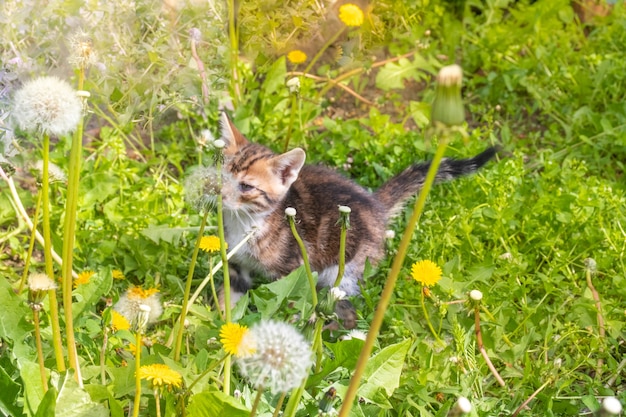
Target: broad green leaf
[[344, 355], [74, 401], [393, 74], [47, 406], [33, 387], [382, 372], [13, 324], [215, 404], [275, 77], [88, 294], [9, 391], [268, 298], [420, 112], [167, 234]]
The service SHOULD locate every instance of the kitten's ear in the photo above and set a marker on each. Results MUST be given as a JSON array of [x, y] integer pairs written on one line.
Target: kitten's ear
[[231, 135], [288, 165]]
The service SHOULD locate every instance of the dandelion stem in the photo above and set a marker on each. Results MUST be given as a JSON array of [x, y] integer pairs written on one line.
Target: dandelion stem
[[305, 259], [233, 34], [600, 318], [42, 367], [54, 308], [138, 340], [279, 405], [69, 232], [391, 282], [257, 400], [103, 351], [430, 326], [294, 102], [201, 71], [213, 292], [204, 373], [220, 234], [157, 401], [183, 313], [31, 244], [481, 346], [529, 399]]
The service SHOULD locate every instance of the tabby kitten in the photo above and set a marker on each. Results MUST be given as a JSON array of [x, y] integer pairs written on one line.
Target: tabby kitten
[[259, 185]]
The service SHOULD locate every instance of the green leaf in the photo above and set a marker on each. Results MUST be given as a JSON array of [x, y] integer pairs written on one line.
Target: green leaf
[[13, 325], [75, 402], [382, 373], [344, 355], [88, 294], [9, 390], [393, 74], [167, 234], [215, 404], [275, 77], [47, 406], [268, 298], [33, 387]]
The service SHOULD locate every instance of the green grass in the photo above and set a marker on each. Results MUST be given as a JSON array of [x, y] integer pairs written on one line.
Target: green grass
[[538, 82]]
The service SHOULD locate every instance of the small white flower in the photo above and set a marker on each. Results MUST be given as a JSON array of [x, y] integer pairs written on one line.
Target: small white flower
[[476, 295], [282, 358], [390, 234], [345, 209], [463, 405], [201, 188], [290, 211], [506, 256], [47, 104], [219, 144], [355, 334]]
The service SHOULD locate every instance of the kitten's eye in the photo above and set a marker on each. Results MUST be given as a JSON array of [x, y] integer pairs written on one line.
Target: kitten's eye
[[245, 187]]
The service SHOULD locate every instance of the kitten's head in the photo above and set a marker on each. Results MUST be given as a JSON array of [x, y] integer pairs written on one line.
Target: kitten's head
[[258, 179]]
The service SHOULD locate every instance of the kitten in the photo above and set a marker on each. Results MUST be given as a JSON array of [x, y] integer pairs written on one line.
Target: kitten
[[259, 185]]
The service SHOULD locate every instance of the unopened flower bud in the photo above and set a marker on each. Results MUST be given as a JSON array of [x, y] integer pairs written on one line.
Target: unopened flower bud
[[290, 212], [611, 407], [448, 105], [476, 295], [294, 85], [219, 144]]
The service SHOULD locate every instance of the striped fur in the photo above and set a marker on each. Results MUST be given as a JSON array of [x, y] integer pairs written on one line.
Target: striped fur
[[262, 184]]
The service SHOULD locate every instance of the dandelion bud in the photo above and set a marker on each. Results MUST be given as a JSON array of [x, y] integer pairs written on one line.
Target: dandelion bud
[[448, 105], [290, 212], [219, 144], [344, 209], [610, 407], [390, 234], [591, 265], [195, 35], [476, 295], [337, 294]]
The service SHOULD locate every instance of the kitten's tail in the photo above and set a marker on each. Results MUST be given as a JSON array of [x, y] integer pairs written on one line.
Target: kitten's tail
[[394, 193]]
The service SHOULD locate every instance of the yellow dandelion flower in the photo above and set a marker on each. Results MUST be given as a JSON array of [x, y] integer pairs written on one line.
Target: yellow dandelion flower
[[83, 278], [160, 376], [296, 56], [426, 272], [232, 337], [119, 322], [117, 274], [210, 244], [351, 15], [138, 292]]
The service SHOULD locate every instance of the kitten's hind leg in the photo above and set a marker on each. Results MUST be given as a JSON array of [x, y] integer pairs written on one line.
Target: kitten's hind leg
[[240, 283]]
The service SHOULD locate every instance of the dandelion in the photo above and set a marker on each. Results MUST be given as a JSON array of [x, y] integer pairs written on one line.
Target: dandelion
[[161, 376], [232, 336], [47, 104], [293, 84], [129, 304], [282, 358], [82, 53], [201, 188], [38, 287], [210, 244], [83, 278], [476, 295], [351, 15], [119, 322], [55, 173], [354, 334], [426, 272], [117, 274], [296, 56]]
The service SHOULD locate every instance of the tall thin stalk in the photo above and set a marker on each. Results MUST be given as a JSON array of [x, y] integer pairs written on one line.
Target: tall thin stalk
[[47, 250]]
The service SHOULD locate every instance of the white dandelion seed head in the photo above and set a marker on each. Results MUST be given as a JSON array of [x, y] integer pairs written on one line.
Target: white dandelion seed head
[[201, 188], [47, 104], [40, 282], [134, 307], [195, 34], [55, 173], [476, 295], [463, 405], [282, 359], [337, 294], [82, 53], [612, 406]]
